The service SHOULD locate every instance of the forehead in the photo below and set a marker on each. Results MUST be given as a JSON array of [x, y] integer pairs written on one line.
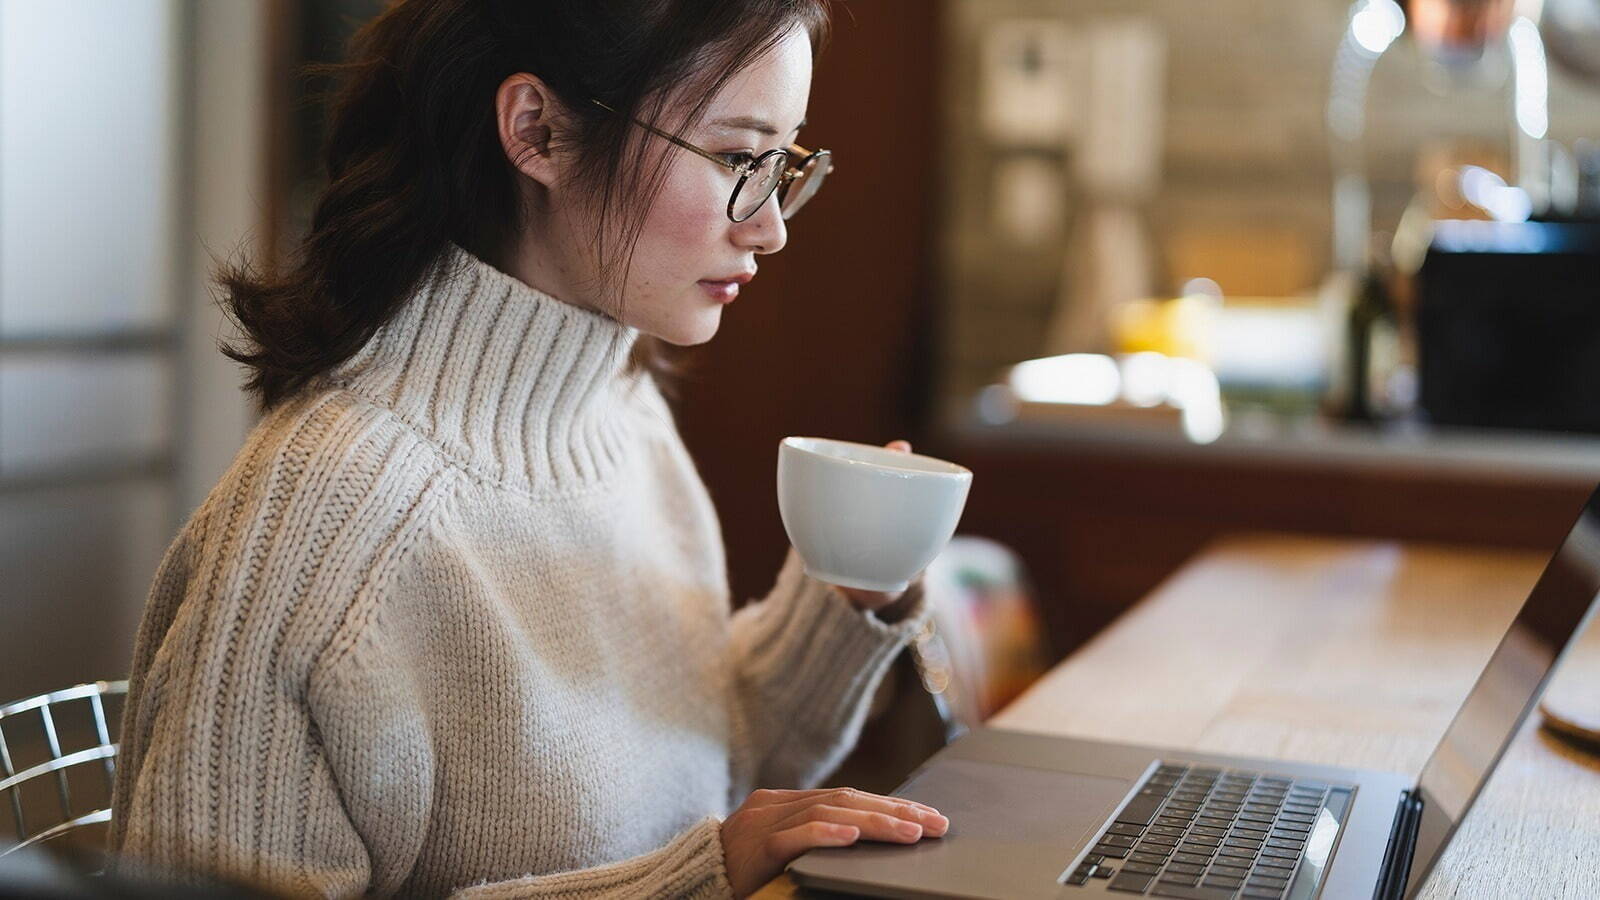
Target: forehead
[[773, 89]]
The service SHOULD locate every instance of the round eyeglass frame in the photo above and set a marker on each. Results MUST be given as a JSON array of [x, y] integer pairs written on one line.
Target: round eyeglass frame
[[816, 164]]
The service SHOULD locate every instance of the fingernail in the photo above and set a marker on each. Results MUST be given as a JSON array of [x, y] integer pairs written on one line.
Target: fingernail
[[909, 829], [936, 824]]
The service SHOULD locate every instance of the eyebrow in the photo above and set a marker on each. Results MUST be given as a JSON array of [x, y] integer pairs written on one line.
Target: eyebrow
[[750, 123]]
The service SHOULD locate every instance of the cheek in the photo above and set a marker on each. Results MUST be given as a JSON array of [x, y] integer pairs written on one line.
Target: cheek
[[687, 227]]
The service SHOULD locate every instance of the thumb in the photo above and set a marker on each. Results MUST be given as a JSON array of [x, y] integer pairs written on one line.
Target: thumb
[[900, 446]]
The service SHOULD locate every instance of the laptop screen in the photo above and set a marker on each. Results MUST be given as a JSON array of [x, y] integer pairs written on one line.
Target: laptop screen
[[1561, 604]]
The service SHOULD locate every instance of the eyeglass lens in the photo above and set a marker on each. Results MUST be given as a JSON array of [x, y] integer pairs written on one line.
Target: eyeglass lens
[[805, 185], [759, 185]]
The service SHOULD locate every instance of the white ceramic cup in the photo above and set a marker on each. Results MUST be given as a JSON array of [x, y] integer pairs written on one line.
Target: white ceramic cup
[[867, 517]]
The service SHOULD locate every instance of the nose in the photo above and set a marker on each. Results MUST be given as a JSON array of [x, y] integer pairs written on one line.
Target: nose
[[764, 232]]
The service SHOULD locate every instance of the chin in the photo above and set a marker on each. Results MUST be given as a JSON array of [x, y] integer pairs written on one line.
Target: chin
[[696, 331]]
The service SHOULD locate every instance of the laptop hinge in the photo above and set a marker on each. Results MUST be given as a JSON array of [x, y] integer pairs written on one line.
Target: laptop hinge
[[1402, 845]]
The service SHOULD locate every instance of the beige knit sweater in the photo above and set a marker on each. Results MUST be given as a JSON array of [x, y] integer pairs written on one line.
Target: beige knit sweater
[[457, 621]]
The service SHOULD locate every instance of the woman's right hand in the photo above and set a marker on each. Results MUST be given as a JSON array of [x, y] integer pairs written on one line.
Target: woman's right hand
[[773, 827]]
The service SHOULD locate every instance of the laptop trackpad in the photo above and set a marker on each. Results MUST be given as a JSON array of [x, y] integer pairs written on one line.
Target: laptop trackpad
[[1012, 832]]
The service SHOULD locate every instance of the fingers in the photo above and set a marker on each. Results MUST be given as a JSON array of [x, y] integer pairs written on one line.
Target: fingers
[[870, 824], [773, 827], [843, 796], [887, 809], [900, 446], [785, 845]]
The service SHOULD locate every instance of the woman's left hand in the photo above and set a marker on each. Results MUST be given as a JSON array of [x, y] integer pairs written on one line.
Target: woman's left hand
[[879, 601]]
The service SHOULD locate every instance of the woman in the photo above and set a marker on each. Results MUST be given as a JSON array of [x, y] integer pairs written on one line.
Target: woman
[[456, 620]]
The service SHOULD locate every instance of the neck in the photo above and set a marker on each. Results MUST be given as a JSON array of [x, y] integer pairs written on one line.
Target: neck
[[541, 257]]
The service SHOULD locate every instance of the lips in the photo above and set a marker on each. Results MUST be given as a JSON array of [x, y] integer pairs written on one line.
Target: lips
[[721, 291], [725, 289]]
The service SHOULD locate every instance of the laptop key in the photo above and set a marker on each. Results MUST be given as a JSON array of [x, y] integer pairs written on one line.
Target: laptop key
[[1117, 840], [1215, 881], [1134, 864], [1170, 877], [1172, 821], [1140, 810], [1190, 892], [1236, 856], [1130, 830], [1131, 882], [1153, 859], [1111, 852], [1182, 868], [1170, 830], [1193, 859]]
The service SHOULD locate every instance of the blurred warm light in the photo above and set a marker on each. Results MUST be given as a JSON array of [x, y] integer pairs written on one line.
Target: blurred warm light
[[1533, 79], [1146, 379], [1085, 378], [1377, 25], [1490, 193], [1171, 327], [1156, 387]]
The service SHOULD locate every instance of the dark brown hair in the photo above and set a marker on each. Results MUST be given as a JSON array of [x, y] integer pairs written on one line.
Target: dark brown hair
[[414, 160]]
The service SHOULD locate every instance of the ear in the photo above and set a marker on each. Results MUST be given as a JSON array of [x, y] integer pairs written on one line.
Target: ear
[[527, 114]]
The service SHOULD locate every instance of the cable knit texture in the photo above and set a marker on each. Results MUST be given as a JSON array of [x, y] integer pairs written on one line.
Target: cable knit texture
[[456, 621]]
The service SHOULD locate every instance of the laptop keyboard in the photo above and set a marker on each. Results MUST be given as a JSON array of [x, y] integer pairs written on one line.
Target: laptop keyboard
[[1207, 833]]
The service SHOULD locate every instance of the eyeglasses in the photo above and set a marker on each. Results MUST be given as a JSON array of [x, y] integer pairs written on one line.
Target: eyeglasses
[[760, 176]]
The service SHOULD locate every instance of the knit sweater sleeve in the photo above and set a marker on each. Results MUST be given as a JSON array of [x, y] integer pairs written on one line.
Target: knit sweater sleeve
[[805, 665], [225, 771]]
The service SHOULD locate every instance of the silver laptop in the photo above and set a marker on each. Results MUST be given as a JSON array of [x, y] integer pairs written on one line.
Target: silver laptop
[[1040, 816]]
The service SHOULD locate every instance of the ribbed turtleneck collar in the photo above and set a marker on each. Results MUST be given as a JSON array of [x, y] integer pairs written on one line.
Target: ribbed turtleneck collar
[[508, 379]]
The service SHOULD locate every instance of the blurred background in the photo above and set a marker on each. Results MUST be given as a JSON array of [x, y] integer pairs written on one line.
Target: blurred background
[[1154, 275]]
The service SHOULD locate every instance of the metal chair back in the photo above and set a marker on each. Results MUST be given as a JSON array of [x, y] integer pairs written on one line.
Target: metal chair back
[[34, 825]]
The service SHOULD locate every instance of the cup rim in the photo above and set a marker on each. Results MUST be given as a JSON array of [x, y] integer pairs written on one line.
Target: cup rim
[[940, 468]]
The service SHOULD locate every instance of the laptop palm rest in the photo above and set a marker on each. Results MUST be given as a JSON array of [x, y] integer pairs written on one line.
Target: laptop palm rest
[[1022, 823]]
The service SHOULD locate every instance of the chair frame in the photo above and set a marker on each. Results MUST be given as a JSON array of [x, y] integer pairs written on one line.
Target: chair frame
[[105, 752]]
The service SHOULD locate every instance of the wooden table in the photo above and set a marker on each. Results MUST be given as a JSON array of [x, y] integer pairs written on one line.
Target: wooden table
[[1357, 654]]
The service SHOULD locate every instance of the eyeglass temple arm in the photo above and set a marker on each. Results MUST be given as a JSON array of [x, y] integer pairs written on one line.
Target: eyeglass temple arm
[[732, 167]]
